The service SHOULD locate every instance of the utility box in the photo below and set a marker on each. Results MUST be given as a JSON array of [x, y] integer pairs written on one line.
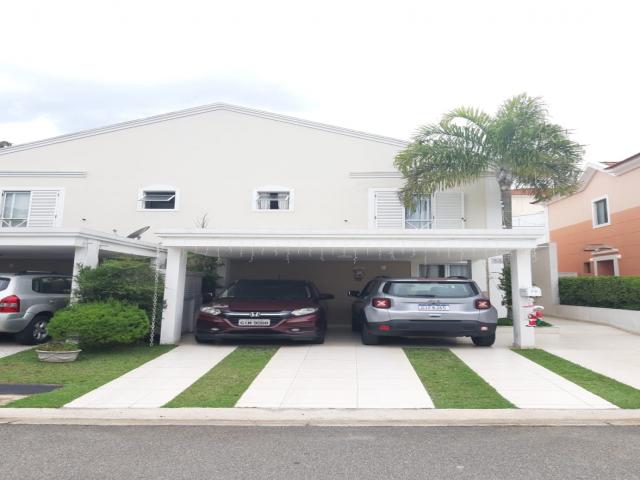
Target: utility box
[[531, 292]]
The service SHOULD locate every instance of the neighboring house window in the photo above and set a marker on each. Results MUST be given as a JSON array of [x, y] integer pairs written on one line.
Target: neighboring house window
[[601, 212], [15, 209], [158, 199], [30, 208], [270, 200], [420, 215]]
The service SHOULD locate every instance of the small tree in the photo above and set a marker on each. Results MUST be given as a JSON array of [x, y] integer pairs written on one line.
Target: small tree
[[206, 265], [129, 280], [505, 286]]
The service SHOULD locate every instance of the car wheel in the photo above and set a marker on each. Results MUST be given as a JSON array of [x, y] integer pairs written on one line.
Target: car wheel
[[355, 323], [36, 331], [367, 337], [484, 341]]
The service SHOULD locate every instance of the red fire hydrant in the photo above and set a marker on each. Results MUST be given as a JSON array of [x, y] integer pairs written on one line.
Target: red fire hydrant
[[535, 316]]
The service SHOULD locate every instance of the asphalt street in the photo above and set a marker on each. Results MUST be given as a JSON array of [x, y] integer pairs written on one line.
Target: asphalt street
[[210, 452]]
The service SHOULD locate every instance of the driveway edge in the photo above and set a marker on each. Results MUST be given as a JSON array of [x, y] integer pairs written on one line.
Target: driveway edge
[[317, 417]]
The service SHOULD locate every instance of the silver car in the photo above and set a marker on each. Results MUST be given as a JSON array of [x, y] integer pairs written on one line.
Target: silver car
[[28, 301], [403, 307]]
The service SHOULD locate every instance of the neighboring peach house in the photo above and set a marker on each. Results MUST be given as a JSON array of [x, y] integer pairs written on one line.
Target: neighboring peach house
[[597, 229]]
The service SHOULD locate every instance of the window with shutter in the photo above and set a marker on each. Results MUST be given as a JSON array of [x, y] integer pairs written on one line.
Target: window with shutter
[[449, 210], [388, 211], [29, 208]]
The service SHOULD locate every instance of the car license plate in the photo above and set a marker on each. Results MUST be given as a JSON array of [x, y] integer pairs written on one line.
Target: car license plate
[[251, 322], [434, 307]]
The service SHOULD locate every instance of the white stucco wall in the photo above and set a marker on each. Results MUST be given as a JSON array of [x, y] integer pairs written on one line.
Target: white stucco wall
[[216, 160]]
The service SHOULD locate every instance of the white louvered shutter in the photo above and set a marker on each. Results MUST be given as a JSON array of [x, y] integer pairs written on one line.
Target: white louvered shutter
[[388, 209], [449, 210], [43, 210]]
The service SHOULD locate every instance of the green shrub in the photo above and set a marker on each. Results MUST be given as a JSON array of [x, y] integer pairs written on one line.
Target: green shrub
[[604, 292], [129, 280], [101, 323]]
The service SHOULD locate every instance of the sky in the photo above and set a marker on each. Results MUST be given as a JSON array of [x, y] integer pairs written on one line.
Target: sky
[[384, 67]]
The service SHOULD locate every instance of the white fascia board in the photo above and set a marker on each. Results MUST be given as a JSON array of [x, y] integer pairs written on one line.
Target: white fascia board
[[401, 239], [56, 237], [41, 174], [200, 110]]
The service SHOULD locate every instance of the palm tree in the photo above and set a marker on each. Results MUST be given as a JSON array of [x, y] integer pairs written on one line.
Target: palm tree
[[519, 145]]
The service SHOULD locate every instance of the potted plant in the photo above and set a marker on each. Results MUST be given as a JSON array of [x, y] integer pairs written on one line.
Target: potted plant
[[58, 352]]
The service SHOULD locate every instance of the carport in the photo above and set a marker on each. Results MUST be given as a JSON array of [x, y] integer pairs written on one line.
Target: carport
[[65, 250], [326, 257]]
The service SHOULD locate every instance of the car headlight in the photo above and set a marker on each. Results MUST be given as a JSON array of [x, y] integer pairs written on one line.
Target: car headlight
[[211, 310], [304, 311]]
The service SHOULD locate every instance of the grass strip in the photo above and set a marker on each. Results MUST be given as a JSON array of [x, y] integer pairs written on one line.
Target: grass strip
[[91, 370], [224, 384], [620, 394], [450, 382]]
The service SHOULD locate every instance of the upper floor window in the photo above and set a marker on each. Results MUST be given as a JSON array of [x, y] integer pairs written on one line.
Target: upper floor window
[[420, 215], [601, 212], [158, 198], [273, 199], [15, 209], [38, 207]]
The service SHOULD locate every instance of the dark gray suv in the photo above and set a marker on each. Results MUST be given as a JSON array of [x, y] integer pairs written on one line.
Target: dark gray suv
[[28, 301], [403, 307]]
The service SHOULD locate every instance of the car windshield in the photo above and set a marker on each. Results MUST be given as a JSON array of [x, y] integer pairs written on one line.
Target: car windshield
[[4, 283], [268, 289], [431, 289]]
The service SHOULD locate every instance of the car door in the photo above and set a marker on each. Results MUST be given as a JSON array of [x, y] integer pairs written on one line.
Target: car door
[[54, 291], [361, 300]]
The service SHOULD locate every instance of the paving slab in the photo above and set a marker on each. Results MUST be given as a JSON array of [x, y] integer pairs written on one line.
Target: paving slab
[[342, 373], [156, 382], [525, 383], [603, 349], [9, 348]]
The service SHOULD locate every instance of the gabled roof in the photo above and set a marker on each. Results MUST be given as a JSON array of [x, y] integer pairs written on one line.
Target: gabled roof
[[609, 168], [200, 110]]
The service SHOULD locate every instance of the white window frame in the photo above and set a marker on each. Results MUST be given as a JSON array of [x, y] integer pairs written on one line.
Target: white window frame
[[158, 188], [274, 189], [59, 206], [594, 215]]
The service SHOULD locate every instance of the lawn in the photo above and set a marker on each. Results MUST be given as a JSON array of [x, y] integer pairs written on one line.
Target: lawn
[[225, 383], [91, 370], [451, 383], [620, 394]]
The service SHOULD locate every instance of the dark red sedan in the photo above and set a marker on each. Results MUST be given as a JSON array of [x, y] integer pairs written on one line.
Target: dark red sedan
[[263, 309]]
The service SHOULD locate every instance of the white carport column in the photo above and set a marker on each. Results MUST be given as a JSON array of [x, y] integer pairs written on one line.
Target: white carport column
[[87, 255], [523, 336], [173, 295]]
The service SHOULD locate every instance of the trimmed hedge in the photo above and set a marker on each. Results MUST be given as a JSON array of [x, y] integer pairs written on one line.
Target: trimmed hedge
[[100, 323], [603, 292]]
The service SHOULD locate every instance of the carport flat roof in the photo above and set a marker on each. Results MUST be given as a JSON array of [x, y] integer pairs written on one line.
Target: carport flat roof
[[27, 241], [467, 244]]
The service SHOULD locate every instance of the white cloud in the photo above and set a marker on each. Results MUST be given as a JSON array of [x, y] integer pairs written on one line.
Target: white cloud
[[22, 132], [380, 66]]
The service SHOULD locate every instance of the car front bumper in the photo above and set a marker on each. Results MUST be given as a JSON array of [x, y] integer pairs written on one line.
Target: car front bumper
[[302, 328]]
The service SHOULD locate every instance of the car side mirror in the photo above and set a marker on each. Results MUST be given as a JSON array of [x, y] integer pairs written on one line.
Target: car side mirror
[[326, 296], [353, 293], [208, 297]]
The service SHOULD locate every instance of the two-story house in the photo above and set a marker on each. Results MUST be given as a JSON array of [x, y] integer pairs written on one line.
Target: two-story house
[[597, 229], [271, 195]]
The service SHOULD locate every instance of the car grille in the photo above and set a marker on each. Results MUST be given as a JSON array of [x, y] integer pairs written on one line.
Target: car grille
[[273, 317]]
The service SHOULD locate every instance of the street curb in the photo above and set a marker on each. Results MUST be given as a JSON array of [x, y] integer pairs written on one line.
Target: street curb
[[317, 417]]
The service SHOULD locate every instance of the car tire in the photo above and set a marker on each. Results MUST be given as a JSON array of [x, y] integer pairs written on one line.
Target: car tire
[[355, 323], [201, 340], [367, 337], [36, 332], [484, 341], [318, 340]]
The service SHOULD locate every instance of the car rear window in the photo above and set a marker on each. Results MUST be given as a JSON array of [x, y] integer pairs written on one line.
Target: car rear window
[[268, 289], [431, 289], [4, 283]]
